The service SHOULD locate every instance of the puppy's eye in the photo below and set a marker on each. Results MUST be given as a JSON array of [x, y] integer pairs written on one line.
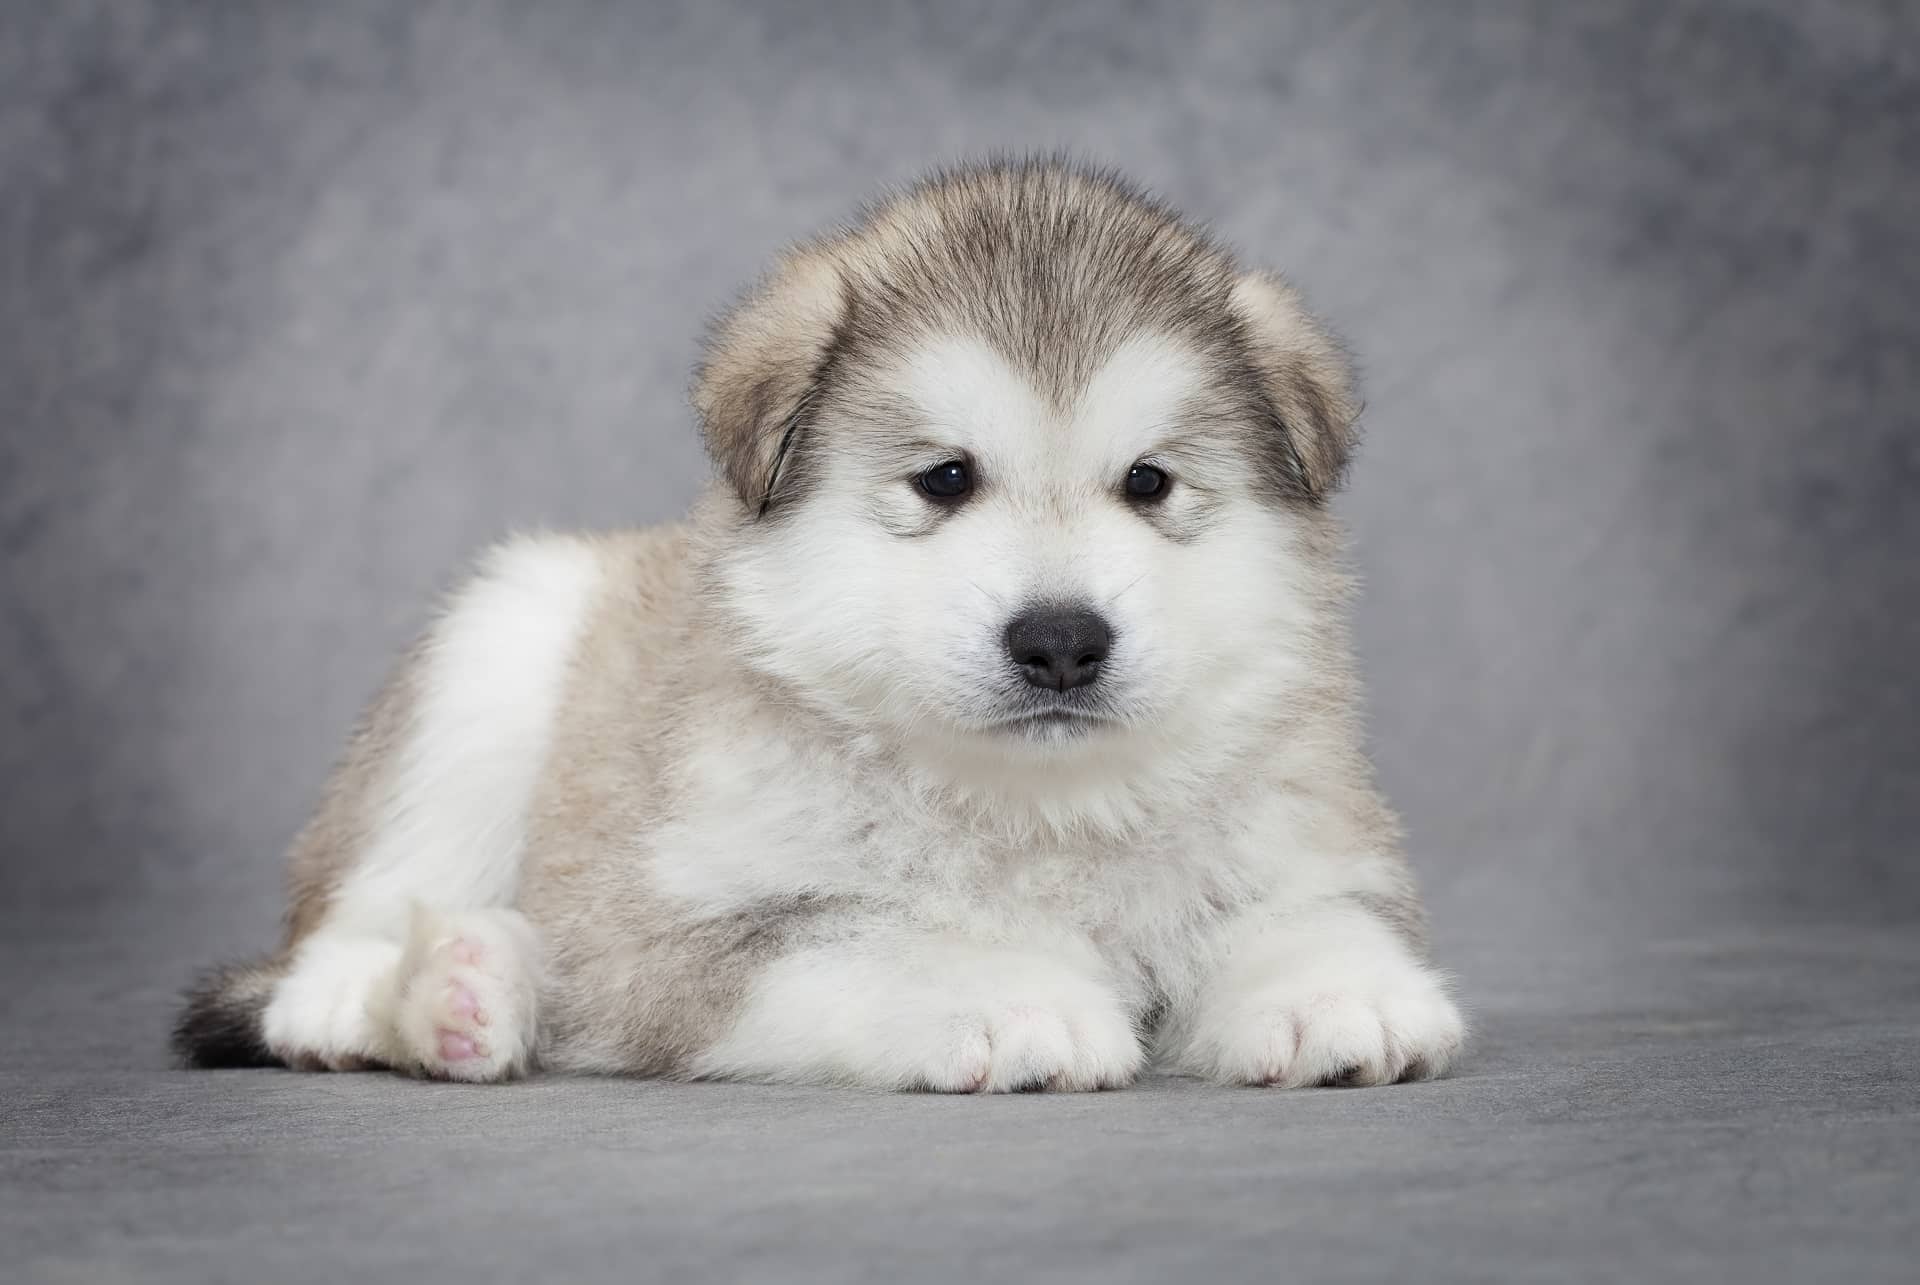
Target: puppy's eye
[[1145, 482], [947, 481]]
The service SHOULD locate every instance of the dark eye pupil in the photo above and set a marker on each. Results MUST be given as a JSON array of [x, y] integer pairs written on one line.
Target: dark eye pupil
[[947, 481], [1145, 481]]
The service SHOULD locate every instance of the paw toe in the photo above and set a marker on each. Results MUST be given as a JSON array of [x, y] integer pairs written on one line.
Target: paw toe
[[1339, 1040], [1031, 1048], [463, 1003]]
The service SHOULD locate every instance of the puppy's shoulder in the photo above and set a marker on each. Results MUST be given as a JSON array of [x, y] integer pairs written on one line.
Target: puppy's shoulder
[[641, 594]]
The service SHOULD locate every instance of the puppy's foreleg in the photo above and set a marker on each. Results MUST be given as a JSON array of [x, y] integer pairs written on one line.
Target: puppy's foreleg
[[1321, 994], [902, 1010]]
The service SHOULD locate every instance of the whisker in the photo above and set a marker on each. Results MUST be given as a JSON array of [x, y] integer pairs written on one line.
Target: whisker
[[981, 589]]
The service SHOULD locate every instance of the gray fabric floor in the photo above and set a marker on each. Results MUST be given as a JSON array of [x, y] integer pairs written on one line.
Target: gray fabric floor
[[1723, 1106], [301, 303]]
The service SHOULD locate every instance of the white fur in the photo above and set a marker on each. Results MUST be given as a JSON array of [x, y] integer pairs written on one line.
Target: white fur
[[906, 635], [900, 1012], [351, 1002], [451, 828], [455, 817], [1318, 994], [905, 638], [327, 1010]]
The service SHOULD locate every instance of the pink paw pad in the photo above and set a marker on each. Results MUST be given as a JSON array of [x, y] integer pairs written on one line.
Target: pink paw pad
[[455, 1047], [462, 1003]]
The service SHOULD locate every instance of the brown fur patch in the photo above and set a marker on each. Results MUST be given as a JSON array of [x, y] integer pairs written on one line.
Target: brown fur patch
[[634, 984]]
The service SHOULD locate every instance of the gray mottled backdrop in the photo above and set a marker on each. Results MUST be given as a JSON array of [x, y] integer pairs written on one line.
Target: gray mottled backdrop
[[301, 303]]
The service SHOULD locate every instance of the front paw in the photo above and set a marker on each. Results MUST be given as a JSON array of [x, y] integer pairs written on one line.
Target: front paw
[[1397, 1024], [1019, 1047], [946, 1019]]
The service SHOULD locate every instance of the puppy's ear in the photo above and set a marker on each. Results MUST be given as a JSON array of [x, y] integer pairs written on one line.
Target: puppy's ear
[[761, 369], [1307, 381]]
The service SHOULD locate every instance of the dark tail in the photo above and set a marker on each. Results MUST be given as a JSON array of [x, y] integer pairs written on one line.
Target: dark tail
[[222, 1023]]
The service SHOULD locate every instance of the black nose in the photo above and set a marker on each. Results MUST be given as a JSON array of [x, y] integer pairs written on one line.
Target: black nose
[[1059, 647]]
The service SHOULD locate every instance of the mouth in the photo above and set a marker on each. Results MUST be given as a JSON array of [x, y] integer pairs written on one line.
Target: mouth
[[1057, 721]]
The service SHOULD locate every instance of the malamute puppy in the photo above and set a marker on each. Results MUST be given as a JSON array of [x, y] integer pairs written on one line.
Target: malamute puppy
[[989, 725]]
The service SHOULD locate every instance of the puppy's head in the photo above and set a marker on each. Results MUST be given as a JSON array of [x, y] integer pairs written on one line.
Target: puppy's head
[[1022, 466]]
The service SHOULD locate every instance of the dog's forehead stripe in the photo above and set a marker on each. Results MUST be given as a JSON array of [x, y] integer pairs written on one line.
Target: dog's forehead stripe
[[965, 390]]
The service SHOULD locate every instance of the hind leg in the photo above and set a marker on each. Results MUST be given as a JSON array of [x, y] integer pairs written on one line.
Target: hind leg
[[456, 1001], [429, 807], [328, 1012]]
